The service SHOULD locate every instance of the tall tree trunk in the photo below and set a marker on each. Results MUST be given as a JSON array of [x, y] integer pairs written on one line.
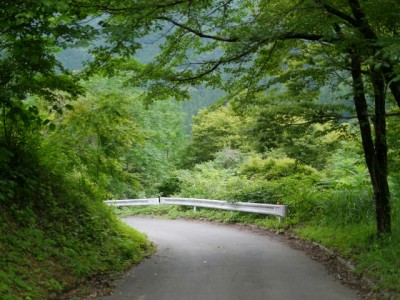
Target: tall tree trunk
[[382, 196], [375, 153]]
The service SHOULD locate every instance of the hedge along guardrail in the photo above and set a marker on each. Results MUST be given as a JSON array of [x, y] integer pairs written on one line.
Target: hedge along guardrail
[[280, 211]]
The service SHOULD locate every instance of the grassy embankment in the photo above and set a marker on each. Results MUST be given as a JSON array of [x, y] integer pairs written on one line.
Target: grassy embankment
[[47, 252], [44, 258]]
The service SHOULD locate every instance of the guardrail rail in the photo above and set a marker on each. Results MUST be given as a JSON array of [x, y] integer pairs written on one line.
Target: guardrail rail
[[280, 211], [133, 202]]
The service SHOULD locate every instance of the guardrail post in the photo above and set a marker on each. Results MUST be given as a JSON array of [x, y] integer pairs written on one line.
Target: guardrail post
[[194, 208], [284, 212]]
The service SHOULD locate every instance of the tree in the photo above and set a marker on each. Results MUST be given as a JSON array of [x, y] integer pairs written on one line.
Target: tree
[[30, 34], [303, 43], [94, 137], [214, 131], [112, 143]]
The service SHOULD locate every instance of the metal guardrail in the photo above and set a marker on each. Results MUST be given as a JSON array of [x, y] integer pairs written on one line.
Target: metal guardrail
[[280, 211], [133, 202], [259, 208]]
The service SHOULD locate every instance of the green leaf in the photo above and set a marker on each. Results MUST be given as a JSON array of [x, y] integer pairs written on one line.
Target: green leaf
[[52, 126]]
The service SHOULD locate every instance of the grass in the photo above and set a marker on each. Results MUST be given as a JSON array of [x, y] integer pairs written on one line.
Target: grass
[[376, 258]]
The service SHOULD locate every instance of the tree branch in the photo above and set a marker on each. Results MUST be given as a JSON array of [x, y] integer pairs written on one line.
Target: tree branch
[[301, 36], [337, 13], [111, 10], [284, 36], [197, 32], [199, 75], [361, 22]]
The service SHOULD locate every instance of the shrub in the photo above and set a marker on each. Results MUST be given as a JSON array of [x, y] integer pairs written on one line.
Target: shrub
[[303, 205], [255, 180], [169, 186], [274, 168], [205, 181]]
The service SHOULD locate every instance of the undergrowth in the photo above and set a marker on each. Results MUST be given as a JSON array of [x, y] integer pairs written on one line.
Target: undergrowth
[[39, 261]]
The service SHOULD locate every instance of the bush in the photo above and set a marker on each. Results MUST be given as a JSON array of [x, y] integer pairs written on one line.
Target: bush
[[275, 168], [255, 180], [169, 186]]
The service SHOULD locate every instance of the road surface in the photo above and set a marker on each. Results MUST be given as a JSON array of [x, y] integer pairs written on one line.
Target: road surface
[[203, 261]]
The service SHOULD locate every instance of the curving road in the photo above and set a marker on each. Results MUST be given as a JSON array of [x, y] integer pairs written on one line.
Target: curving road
[[203, 261]]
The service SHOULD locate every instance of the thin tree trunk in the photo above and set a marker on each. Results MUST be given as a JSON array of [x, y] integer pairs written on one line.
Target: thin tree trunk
[[394, 86], [375, 154]]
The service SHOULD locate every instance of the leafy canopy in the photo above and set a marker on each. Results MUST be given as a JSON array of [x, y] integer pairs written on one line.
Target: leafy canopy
[[31, 32]]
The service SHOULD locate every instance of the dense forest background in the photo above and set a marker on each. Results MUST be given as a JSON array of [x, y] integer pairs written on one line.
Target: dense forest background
[[200, 96]]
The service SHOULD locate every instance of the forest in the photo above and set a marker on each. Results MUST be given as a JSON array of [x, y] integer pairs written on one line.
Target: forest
[[291, 102]]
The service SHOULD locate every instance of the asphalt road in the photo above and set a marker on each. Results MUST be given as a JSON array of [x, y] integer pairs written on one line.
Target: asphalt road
[[203, 261]]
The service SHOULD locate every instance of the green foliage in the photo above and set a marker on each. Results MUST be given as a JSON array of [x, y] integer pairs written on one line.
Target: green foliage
[[346, 207], [251, 41], [380, 262], [304, 132], [346, 168], [274, 169], [228, 158], [200, 98], [253, 179], [169, 186], [93, 138], [214, 131], [19, 160], [30, 35], [165, 138], [206, 181], [394, 144], [114, 144], [55, 232]]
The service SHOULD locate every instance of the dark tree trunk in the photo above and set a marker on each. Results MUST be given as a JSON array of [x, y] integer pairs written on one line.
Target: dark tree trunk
[[382, 194], [375, 152], [394, 85]]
